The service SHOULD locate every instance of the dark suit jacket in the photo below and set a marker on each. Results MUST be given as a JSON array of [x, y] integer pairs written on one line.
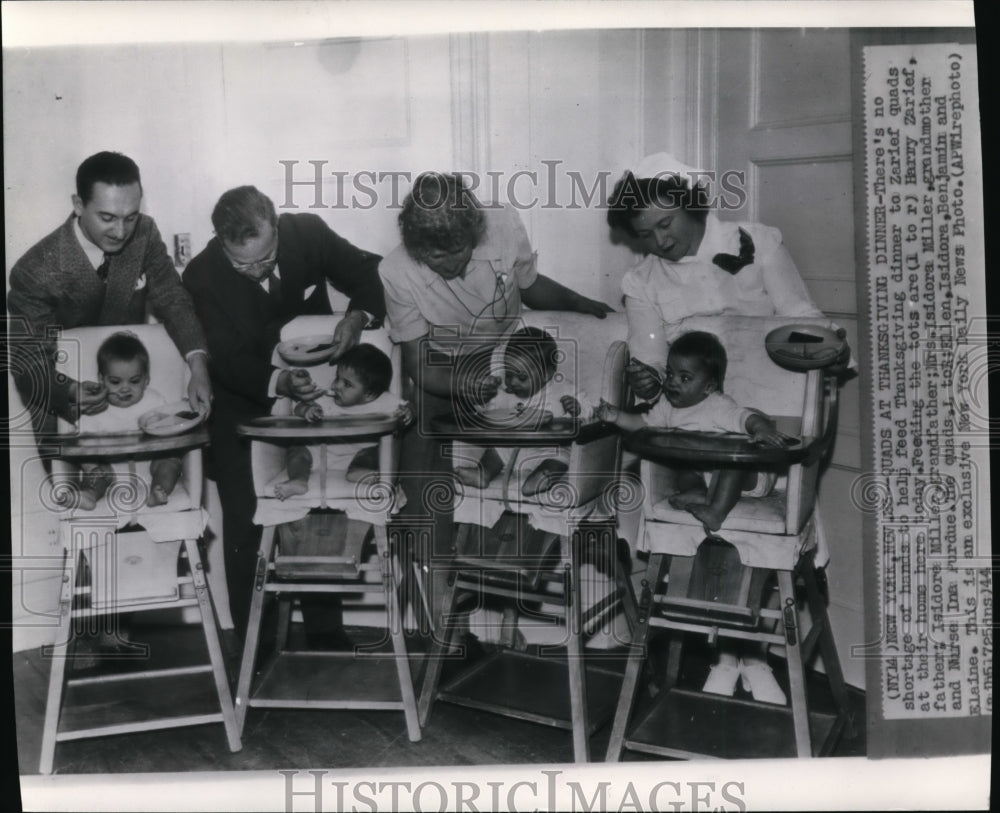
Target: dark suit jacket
[[54, 285], [242, 322]]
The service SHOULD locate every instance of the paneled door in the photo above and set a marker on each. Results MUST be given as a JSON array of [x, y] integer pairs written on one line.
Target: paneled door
[[778, 104]]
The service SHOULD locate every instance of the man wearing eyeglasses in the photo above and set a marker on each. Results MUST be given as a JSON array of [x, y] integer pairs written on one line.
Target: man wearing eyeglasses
[[258, 273]]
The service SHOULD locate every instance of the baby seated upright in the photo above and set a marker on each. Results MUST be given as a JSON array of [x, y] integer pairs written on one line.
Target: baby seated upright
[[123, 373], [360, 386], [694, 401], [529, 380]]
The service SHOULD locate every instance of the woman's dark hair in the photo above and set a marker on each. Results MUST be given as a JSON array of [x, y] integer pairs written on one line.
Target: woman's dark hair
[[371, 365], [111, 168], [440, 214], [707, 349], [122, 346], [536, 347], [632, 195], [239, 212]]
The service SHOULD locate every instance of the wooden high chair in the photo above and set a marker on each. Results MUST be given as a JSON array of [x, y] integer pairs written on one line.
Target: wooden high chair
[[532, 550], [776, 534], [372, 679], [131, 569]]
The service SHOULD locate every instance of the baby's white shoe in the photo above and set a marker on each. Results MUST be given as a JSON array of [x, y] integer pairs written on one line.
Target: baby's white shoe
[[758, 679], [723, 676]]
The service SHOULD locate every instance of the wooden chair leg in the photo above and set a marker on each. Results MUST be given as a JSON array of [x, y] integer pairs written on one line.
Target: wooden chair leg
[[211, 631], [796, 674], [440, 641], [636, 658], [284, 622], [681, 573], [828, 647], [57, 673], [575, 662], [253, 627], [394, 618]]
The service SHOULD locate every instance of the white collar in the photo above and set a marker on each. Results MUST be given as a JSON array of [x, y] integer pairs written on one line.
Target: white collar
[[94, 253]]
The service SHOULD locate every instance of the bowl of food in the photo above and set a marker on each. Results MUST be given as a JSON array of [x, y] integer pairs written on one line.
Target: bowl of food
[[307, 350], [806, 347], [170, 419]]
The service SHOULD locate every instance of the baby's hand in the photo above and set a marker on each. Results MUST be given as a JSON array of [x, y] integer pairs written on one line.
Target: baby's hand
[[763, 430], [606, 412], [405, 413], [571, 406], [312, 412]]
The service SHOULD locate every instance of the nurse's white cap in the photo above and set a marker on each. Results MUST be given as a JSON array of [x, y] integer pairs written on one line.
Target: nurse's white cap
[[665, 164]]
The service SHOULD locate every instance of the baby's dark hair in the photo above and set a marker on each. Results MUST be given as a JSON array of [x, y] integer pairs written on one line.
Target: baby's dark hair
[[122, 346], [372, 366], [535, 346], [707, 349]]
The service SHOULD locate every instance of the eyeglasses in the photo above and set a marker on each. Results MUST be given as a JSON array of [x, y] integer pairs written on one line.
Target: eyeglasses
[[265, 263]]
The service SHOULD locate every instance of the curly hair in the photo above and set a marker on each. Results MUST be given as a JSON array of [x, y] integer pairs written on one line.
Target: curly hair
[[440, 214], [707, 349], [632, 195]]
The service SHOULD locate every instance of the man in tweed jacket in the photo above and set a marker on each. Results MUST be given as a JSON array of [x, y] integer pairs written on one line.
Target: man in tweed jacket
[[106, 265]]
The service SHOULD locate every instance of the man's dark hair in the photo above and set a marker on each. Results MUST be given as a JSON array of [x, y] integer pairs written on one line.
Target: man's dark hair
[[372, 367], [111, 168], [633, 195], [536, 347], [237, 216], [707, 349], [122, 346]]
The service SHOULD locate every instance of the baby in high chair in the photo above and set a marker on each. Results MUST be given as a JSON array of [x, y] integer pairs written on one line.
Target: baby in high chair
[[529, 367], [359, 387], [694, 401], [123, 371]]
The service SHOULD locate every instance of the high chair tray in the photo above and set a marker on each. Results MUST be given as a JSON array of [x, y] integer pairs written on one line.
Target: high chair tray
[[708, 449], [129, 445], [340, 426], [558, 431]]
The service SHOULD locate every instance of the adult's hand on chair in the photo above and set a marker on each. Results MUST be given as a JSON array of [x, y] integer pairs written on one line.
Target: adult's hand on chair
[[643, 379], [90, 396], [592, 307], [297, 384]]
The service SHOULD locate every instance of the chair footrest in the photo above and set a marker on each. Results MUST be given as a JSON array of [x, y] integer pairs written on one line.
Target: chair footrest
[[531, 687]]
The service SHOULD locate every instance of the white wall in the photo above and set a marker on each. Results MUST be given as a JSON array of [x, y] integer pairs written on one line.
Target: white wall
[[199, 119]]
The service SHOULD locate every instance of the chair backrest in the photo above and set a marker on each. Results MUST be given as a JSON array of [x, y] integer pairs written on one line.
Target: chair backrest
[[754, 380], [76, 357]]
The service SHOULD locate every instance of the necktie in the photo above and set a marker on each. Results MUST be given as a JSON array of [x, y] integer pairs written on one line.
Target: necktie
[[730, 262], [102, 269], [274, 289]]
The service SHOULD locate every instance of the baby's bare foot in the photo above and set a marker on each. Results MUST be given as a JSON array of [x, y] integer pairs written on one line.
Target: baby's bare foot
[[157, 496], [684, 500], [710, 518], [290, 488]]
